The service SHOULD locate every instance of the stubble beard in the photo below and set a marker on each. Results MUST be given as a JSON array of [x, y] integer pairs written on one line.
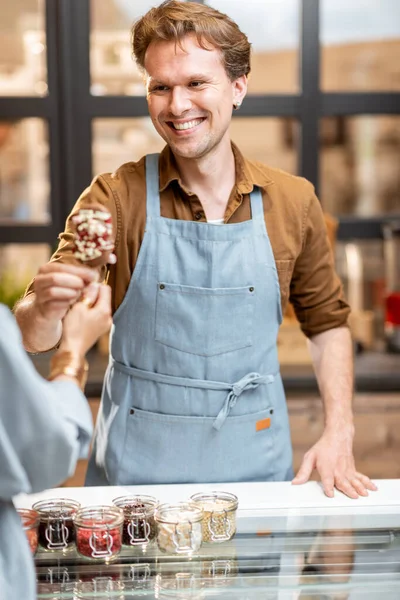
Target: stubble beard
[[195, 151]]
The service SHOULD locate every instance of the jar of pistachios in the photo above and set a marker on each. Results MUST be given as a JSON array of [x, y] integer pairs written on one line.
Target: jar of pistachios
[[179, 528], [219, 515]]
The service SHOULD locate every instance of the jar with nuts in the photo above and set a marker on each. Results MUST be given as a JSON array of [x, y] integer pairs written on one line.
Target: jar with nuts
[[219, 515], [179, 529]]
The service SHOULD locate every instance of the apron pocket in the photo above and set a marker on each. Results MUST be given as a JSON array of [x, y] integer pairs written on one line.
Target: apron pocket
[[204, 321], [162, 449]]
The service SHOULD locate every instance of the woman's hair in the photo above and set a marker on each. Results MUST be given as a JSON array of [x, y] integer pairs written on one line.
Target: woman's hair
[[174, 20]]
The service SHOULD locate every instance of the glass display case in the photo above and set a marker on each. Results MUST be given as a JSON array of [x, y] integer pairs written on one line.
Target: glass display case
[[331, 551]]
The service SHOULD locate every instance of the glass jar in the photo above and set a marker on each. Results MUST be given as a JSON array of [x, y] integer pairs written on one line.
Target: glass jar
[[98, 531], [139, 522], [30, 524], [179, 527], [219, 515], [56, 528]]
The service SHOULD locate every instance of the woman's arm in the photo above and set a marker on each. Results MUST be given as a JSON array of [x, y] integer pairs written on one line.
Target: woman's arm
[[44, 426]]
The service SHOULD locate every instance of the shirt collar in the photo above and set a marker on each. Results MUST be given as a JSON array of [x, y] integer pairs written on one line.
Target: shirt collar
[[248, 173]]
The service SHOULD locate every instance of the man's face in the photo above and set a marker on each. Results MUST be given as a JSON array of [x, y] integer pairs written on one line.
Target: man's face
[[190, 96]]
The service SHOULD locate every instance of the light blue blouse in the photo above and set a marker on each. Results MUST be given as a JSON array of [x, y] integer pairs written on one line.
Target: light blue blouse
[[44, 428]]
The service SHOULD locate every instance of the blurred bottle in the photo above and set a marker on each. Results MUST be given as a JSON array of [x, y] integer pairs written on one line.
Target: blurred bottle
[[391, 236]]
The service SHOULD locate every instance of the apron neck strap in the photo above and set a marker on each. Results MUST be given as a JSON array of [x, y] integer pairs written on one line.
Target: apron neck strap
[[152, 186], [256, 203], [153, 192]]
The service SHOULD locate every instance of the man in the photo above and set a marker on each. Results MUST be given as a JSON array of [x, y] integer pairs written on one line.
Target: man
[[44, 426], [210, 246]]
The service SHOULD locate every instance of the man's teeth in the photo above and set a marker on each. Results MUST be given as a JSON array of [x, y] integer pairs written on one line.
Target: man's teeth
[[188, 124]]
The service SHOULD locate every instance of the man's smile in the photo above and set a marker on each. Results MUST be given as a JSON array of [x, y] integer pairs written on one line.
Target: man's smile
[[185, 125]]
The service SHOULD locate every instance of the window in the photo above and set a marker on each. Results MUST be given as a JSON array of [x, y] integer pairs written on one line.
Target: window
[[267, 139], [24, 172], [360, 45], [23, 70], [360, 159], [272, 28]]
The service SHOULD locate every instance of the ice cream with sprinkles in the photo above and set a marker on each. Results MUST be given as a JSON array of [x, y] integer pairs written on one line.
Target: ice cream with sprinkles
[[93, 236]]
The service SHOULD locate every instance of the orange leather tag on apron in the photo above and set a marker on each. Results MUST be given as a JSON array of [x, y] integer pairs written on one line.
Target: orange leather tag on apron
[[263, 424]]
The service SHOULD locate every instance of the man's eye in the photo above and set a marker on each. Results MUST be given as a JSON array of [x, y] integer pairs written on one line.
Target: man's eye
[[196, 83], [159, 88]]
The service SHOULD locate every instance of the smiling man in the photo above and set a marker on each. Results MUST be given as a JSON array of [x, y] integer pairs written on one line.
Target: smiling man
[[210, 248]]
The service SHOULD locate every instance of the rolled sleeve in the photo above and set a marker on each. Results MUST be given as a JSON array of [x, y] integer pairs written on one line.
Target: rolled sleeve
[[97, 193], [316, 290]]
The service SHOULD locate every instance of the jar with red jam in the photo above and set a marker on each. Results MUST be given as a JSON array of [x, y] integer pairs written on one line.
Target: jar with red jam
[[56, 527], [98, 531], [139, 521], [30, 524]]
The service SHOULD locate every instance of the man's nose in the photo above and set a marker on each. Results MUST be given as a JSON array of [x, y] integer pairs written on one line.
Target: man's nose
[[179, 101]]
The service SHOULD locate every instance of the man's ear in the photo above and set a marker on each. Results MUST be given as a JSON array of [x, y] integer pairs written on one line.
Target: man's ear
[[239, 90]]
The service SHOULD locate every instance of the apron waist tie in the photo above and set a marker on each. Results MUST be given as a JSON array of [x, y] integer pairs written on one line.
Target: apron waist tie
[[249, 381]]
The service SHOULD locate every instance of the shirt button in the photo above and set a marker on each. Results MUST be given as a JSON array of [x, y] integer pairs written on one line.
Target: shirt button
[[251, 289], [162, 286], [198, 216]]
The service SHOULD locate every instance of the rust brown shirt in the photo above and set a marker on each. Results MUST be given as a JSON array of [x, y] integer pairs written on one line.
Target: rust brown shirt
[[293, 216]]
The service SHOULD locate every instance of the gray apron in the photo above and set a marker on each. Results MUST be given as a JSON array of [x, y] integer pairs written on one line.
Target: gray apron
[[193, 392]]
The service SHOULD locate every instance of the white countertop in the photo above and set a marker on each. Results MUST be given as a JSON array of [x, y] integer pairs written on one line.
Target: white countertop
[[271, 496]]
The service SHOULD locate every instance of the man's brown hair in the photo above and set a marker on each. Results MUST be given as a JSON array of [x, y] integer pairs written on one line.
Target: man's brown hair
[[174, 20]]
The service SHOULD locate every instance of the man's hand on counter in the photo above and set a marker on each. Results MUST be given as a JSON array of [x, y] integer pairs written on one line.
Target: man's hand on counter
[[332, 456]]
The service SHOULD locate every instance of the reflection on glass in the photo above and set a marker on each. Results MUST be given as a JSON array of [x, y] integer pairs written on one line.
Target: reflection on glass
[[22, 48], [272, 27], [270, 140], [113, 70], [24, 172], [18, 265], [360, 45], [117, 141], [360, 165]]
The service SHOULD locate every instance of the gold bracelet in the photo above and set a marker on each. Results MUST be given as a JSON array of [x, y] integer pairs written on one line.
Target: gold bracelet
[[67, 363]]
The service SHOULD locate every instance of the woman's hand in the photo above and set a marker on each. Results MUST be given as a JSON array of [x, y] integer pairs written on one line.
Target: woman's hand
[[87, 320]]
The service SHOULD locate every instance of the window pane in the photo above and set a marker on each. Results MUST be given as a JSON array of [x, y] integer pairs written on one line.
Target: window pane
[[360, 45], [272, 27], [18, 265], [360, 159], [23, 70], [113, 70], [24, 172], [270, 140], [117, 141]]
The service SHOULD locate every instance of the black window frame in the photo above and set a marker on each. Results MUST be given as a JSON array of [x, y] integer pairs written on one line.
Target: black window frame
[[70, 109]]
